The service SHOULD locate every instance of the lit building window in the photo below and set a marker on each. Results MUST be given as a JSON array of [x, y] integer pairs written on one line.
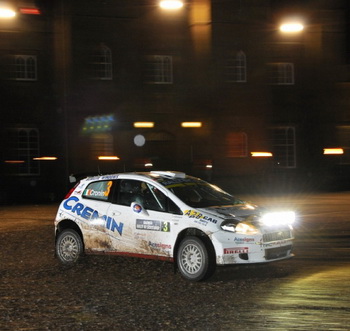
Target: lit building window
[[159, 69], [101, 63], [281, 73], [236, 144], [24, 67], [283, 144], [236, 68], [21, 149]]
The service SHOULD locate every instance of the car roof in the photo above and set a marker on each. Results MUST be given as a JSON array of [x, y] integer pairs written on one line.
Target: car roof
[[154, 175]]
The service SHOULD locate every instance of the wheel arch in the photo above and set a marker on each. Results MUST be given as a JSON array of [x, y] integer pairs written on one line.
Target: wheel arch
[[196, 233], [68, 224]]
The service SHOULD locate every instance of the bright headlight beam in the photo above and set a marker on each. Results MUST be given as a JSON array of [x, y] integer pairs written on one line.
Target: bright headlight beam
[[246, 228], [278, 218], [241, 227]]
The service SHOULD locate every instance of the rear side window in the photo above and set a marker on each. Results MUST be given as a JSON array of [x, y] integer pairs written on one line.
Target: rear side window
[[101, 190]]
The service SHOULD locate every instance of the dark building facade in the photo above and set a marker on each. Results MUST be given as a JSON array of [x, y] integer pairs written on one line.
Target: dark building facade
[[214, 89]]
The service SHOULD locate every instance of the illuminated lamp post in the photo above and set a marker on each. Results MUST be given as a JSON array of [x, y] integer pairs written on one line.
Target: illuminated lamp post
[[291, 27], [6, 10], [171, 4]]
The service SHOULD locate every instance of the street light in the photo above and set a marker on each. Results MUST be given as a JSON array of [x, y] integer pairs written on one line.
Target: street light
[[171, 4], [7, 10], [291, 27], [191, 124], [333, 151]]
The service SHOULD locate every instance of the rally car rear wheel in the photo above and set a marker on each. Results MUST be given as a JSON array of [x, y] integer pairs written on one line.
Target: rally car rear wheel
[[194, 259], [69, 246]]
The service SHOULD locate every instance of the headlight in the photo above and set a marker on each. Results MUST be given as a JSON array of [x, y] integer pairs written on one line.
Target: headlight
[[229, 226], [278, 218], [242, 227]]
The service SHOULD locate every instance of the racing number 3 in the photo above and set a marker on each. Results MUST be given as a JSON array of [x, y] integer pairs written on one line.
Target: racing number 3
[[108, 190]]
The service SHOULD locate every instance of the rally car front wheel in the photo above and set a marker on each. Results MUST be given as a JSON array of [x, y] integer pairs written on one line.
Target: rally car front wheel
[[69, 246], [194, 260]]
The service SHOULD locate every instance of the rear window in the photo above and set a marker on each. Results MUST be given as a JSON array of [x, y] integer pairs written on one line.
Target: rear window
[[100, 190]]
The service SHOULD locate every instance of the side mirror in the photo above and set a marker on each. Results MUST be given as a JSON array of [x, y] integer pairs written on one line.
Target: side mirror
[[138, 209]]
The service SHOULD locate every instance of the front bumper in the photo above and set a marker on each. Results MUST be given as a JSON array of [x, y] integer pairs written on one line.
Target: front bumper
[[232, 248]]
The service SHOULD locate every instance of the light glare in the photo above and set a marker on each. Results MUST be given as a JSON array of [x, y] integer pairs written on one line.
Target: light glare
[[332, 151], [30, 11], [261, 154], [108, 158], [7, 13], [246, 228], [291, 27], [45, 158], [278, 218], [143, 124], [191, 124], [171, 4], [14, 161]]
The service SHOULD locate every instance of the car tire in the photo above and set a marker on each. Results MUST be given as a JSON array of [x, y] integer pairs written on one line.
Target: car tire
[[69, 246], [194, 260]]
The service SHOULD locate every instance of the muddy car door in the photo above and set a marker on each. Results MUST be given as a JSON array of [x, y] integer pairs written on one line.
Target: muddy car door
[[96, 200], [150, 218]]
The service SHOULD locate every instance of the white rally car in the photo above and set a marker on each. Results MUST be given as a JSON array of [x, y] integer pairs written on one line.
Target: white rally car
[[169, 216]]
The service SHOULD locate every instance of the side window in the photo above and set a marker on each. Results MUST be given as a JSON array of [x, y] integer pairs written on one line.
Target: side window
[[154, 199], [101, 190], [149, 196], [128, 191], [173, 208]]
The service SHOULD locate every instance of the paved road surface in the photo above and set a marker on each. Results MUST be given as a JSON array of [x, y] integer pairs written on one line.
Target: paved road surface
[[309, 292]]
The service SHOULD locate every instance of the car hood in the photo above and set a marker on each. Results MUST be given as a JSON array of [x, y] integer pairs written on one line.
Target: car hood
[[240, 211]]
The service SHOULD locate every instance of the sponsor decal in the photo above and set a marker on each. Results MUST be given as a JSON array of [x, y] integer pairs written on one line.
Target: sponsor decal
[[105, 177], [243, 240], [199, 216], [93, 193], [109, 177], [151, 225], [159, 245], [137, 208], [277, 243], [236, 250], [73, 205]]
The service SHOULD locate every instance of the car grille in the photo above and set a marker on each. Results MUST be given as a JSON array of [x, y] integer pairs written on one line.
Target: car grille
[[274, 236], [277, 253]]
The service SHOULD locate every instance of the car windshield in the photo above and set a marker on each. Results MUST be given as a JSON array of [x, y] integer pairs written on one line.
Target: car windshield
[[200, 194]]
